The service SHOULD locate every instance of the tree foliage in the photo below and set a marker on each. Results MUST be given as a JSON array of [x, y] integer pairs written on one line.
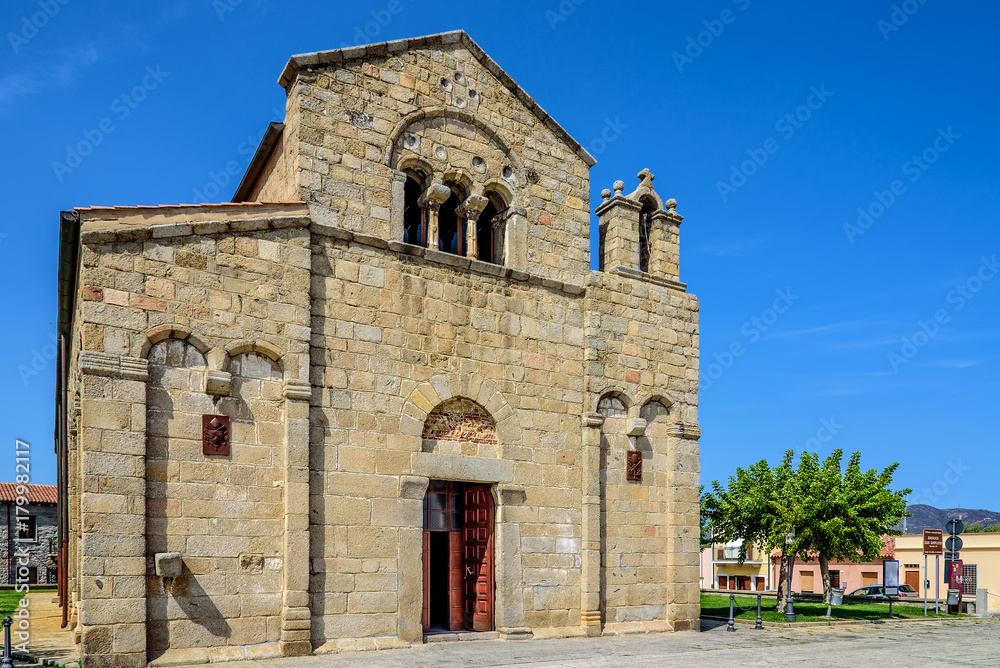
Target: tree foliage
[[835, 513], [979, 527]]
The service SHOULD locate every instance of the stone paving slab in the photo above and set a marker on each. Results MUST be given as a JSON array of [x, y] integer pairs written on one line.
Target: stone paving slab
[[949, 643]]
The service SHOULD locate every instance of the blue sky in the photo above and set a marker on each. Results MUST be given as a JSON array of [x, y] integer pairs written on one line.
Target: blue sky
[[836, 165]]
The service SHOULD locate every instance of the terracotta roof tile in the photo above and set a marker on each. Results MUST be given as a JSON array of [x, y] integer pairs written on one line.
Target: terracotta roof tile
[[36, 493]]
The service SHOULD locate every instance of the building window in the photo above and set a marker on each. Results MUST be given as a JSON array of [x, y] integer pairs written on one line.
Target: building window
[[451, 226], [26, 528], [645, 227], [602, 235], [611, 406], [414, 215], [835, 579], [969, 579], [490, 230], [443, 507]]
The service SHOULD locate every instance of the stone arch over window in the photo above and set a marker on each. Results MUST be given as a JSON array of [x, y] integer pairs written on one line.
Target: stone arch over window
[[440, 389], [460, 426], [262, 348], [406, 138], [654, 407], [171, 331], [614, 403]]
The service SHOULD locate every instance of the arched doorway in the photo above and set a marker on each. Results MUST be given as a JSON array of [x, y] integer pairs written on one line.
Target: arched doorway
[[458, 557], [459, 588]]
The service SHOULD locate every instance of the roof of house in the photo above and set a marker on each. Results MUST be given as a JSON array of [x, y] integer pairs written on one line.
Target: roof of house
[[36, 493]]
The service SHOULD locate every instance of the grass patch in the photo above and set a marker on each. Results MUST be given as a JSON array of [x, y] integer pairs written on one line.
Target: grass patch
[[9, 601], [717, 605]]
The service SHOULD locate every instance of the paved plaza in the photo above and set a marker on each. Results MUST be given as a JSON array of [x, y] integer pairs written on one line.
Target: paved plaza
[[950, 643]]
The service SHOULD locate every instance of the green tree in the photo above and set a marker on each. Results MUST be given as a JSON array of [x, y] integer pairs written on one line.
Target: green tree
[[833, 514]]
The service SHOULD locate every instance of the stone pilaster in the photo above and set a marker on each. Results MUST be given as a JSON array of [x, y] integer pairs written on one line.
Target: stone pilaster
[[515, 236], [295, 612], [113, 510], [683, 544], [410, 593], [590, 544], [665, 243], [618, 222]]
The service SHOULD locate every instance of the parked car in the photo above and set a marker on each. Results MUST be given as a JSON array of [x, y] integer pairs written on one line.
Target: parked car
[[877, 591]]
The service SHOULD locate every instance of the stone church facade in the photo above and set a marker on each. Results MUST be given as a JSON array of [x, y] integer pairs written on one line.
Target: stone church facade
[[382, 393]]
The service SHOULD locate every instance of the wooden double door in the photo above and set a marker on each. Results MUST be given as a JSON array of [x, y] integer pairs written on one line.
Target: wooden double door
[[458, 557]]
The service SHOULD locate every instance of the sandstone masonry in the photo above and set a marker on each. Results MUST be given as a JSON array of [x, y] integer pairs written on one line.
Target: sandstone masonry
[[400, 294]]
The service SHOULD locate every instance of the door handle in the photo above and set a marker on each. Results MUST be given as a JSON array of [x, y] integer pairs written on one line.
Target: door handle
[[468, 570]]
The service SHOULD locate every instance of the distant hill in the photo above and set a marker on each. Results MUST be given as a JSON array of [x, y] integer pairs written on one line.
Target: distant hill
[[929, 517]]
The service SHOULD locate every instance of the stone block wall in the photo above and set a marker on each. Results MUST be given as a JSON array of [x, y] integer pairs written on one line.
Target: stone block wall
[[38, 550], [353, 123]]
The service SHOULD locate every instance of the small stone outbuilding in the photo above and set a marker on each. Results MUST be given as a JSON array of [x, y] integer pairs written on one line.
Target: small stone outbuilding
[[381, 393]]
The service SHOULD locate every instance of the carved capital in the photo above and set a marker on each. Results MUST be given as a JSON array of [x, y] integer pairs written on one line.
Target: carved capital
[[435, 196], [473, 206]]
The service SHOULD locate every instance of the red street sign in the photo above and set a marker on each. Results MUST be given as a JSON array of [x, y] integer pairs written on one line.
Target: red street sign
[[933, 541], [955, 573]]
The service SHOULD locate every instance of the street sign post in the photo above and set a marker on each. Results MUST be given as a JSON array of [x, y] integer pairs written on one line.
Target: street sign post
[[933, 544], [955, 526], [933, 541], [953, 544]]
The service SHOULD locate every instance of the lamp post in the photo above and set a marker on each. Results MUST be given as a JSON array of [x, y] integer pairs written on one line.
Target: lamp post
[[789, 606]]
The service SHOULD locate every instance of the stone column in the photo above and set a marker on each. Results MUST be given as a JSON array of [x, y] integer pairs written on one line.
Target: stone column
[[590, 544], [470, 210], [432, 199], [113, 510], [295, 612], [683, 475]]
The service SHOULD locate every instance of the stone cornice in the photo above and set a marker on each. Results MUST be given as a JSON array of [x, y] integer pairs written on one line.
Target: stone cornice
[[96, 363], [687, 430]]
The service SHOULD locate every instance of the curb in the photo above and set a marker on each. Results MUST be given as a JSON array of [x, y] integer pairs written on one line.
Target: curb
[[843, 622]]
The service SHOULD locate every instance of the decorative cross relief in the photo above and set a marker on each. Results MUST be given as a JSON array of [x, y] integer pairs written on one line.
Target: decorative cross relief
[[215, 435], [633, 467]]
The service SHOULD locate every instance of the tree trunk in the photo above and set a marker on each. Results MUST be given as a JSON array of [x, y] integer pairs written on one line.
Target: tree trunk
[[824, 569], [782, 576]]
